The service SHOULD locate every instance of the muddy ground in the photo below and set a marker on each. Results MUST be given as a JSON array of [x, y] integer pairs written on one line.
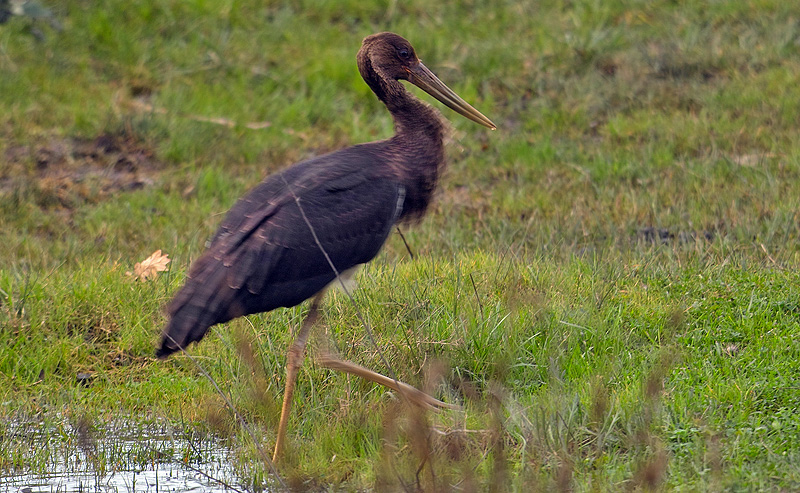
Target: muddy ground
[[65, 172]]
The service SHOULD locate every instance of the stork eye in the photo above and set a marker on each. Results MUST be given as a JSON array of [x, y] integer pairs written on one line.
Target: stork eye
[[403, 53]]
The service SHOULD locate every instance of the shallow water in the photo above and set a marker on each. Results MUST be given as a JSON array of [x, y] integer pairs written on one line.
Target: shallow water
[[62, 457], [171, 478]]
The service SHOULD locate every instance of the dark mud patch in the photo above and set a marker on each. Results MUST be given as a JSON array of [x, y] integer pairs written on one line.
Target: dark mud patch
[[662, 236], [68, 172], [671, 70]]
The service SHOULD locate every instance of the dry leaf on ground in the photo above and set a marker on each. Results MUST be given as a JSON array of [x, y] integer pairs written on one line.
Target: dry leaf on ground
[[150, 267]]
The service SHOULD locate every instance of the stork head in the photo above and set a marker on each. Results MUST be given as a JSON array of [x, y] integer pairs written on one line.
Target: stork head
[[390, 57]]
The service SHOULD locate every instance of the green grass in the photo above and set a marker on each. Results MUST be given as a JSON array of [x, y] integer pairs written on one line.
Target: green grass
[[608, 283]]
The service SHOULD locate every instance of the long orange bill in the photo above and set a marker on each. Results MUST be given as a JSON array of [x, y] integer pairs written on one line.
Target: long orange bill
[[423, 78]]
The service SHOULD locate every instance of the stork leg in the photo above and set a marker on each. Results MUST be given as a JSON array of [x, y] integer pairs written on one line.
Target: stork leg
[[331, 361], [413, 394], [294, 360]]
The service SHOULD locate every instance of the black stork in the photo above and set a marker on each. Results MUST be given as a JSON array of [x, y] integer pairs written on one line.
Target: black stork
[[301, 228]]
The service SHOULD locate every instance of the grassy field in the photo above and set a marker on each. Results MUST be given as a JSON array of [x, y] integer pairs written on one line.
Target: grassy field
[[608, 284]]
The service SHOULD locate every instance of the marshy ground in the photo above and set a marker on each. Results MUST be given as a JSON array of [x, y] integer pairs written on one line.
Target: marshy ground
[[607, 285]]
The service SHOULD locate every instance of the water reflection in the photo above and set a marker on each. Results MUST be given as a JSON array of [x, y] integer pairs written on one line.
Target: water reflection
[[39, 456]]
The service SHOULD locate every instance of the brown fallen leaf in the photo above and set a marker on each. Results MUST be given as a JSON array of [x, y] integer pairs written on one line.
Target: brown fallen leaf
[[150, 267]]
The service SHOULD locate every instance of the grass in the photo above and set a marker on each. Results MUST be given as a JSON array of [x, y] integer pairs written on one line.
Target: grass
[[608, 283]]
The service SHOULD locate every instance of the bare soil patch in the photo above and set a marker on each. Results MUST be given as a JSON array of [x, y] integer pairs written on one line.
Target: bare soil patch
[[66, 172]]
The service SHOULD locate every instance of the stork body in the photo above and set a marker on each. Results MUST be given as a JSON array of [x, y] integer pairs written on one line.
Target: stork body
[[264, 255], [276, 245]]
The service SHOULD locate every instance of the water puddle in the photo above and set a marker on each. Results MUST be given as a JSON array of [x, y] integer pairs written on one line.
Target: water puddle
[[39, 457], [171, 478]]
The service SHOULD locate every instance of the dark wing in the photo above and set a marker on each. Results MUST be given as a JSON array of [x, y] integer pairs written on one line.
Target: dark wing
[[266, 256]]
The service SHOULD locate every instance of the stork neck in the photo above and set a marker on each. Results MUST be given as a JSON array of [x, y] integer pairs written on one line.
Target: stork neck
[[411, 115]]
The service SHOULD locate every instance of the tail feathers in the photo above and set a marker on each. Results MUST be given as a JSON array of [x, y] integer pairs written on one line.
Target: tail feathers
[[205, 300], [189, 323]]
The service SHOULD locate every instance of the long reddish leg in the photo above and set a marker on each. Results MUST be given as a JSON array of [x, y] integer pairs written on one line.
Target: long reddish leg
[[414, 395], [294, 360]]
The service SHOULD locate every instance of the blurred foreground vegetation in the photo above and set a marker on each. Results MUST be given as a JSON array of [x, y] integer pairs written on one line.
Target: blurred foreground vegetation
[[608, 284]]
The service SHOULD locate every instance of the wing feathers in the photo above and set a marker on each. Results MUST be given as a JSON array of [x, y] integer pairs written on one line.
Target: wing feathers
[[266, 256]]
